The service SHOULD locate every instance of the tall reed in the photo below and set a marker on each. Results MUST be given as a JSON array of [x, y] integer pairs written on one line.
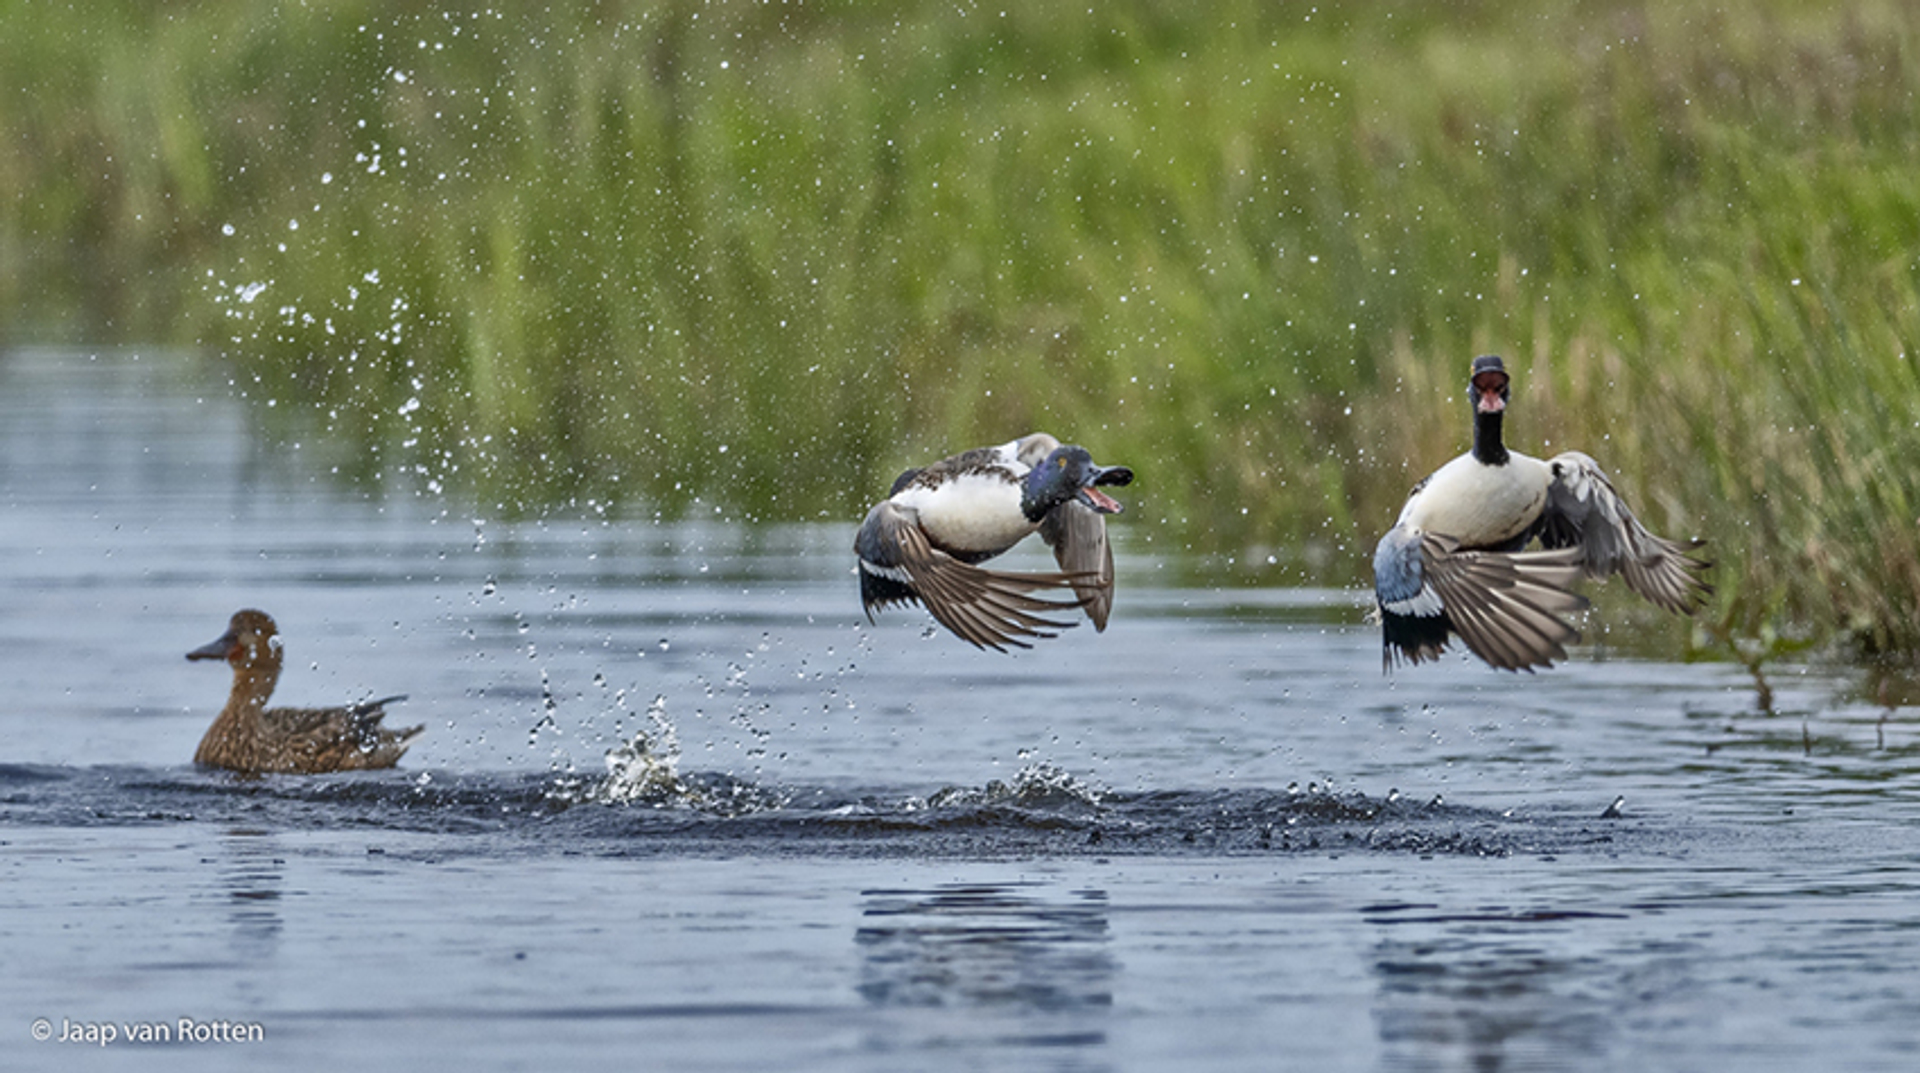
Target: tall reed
[[753, 258]]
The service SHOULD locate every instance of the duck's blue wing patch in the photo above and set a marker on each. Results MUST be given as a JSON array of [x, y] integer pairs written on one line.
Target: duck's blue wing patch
[[1397, 579], [1413, 620], [884, 578]]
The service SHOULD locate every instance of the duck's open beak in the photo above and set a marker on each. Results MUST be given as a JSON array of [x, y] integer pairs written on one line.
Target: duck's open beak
[[1098, 500], [1486, 390], [1094, 498], [221, 649]]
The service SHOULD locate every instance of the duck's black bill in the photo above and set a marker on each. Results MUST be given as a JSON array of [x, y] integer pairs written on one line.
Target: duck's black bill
[[220, 649], [1114, 475]]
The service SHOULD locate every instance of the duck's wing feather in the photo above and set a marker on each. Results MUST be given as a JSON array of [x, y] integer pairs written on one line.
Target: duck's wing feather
[[986, 608], [884, 578], [1584, 511], [335, 739], [373, 707], [1078, 536], [1506, 606]]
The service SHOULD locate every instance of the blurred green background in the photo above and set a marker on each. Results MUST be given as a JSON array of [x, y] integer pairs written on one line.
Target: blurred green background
[[751, 259]]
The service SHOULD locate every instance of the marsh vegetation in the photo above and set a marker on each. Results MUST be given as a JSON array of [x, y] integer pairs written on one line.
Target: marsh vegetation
[[749, 260]]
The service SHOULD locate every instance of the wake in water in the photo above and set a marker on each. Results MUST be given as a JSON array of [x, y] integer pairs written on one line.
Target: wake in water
[[645, 803], [645, 771], [1039, 785]]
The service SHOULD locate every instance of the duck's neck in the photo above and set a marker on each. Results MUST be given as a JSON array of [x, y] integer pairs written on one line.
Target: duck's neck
[[1037, 498], [1487, 448], [236, 734]]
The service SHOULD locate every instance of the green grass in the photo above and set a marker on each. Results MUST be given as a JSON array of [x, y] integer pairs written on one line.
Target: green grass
[[754, 258]]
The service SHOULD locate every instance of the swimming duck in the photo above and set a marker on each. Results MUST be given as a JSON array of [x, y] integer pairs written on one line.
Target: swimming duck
[[1453, 562], [248, 736], [922, 542]]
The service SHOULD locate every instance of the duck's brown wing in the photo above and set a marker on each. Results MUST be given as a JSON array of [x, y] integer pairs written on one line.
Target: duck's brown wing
[[985, 608], [1078, 536], [334, 739], [1584, 511], [1506, 606]]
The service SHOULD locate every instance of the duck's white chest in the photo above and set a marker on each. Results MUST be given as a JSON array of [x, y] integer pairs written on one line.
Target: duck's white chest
[[976, 513], [1480, 505]]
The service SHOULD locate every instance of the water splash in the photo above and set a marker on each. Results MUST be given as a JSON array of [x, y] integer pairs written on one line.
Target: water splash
[[1039, 785], [645, 772], [647, 768]]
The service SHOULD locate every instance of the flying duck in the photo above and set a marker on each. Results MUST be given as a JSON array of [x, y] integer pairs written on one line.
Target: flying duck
[[1453, 564], [249, 736], [922, 542]]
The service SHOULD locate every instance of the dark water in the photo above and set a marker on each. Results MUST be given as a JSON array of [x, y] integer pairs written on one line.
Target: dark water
[[680, 806]]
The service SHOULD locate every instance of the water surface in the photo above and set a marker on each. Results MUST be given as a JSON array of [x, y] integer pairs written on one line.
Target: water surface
[[680, 805]]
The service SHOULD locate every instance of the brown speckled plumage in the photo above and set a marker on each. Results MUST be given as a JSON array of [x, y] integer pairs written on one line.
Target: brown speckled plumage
[[249, 736]]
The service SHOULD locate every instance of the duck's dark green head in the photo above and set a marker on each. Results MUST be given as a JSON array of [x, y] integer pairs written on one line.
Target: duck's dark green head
[[1068, 473]]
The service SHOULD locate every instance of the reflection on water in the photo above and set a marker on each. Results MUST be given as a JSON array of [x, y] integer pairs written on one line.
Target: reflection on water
[[253, 875], [964, 945], [1487, 1002], [1016, 966]]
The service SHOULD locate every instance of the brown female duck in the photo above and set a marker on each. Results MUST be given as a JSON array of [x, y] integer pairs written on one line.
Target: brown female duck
[[249, 736]]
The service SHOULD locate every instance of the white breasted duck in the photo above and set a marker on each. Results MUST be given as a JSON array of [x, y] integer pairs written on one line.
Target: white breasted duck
[[922, 542], [1453, 562]]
